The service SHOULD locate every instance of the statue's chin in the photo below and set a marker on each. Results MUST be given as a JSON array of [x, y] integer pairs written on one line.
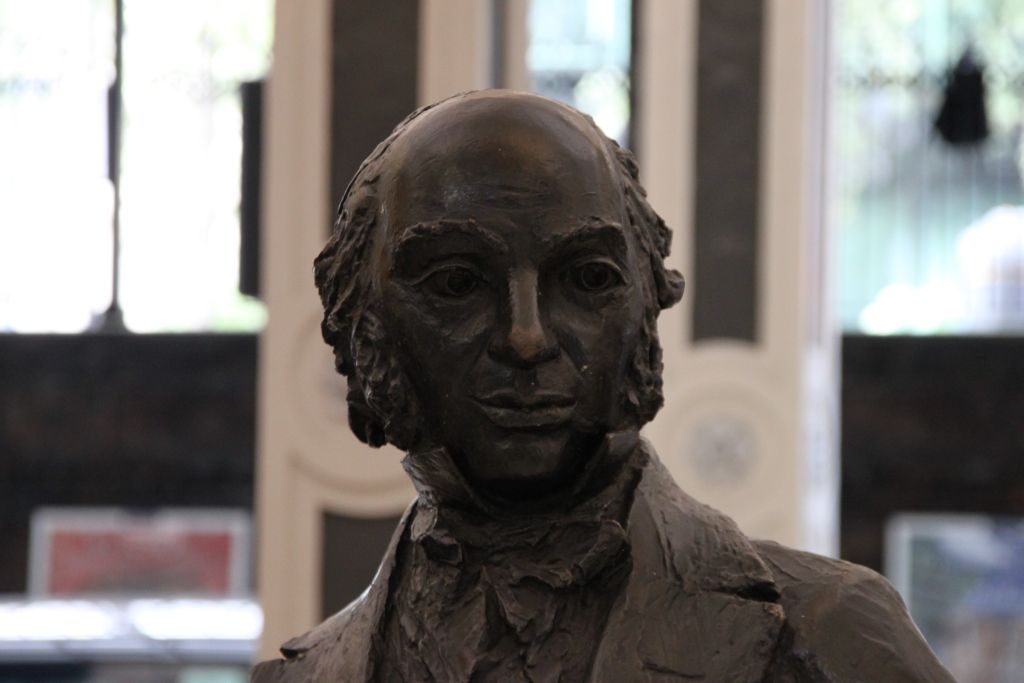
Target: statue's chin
[[525, 470]]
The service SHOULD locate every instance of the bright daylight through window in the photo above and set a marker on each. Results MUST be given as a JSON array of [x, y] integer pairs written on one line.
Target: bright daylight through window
[[182, 65], [579, 53]]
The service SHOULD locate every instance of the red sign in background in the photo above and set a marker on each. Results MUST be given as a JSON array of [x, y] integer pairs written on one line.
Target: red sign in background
[[139, 561]]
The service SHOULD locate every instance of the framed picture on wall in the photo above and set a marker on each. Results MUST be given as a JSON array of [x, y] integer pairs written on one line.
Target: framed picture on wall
[[88, 552]]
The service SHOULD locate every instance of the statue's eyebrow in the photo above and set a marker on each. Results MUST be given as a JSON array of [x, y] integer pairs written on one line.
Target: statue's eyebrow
[[595, 230], [436, 229]]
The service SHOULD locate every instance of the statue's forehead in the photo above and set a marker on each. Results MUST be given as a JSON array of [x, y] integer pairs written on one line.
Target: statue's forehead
[[508, 151]]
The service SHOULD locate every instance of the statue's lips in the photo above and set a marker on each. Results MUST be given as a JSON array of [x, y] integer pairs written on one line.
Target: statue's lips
[[537, 411]]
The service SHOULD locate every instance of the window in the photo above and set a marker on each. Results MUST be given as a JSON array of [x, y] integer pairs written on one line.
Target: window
[[180, 162], [56, 203], [579, 53], [931, 225]]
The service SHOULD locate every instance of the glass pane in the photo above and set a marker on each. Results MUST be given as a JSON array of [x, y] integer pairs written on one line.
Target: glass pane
[[579, 53], [181, 160], [962, 577], [56, 63], [931, 231]]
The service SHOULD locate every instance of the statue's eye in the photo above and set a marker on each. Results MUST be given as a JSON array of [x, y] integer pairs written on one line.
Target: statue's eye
[[453, 281], [595, 276]]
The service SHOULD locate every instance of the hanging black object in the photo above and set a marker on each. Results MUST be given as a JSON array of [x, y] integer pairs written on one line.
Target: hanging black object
[[962, 119]]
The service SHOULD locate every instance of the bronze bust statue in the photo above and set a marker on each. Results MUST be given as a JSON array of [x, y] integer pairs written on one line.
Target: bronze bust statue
[[491, 291]]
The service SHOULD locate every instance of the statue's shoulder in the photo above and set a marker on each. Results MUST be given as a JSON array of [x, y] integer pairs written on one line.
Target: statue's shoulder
[[847, 622], [303, 656], [339, 649]]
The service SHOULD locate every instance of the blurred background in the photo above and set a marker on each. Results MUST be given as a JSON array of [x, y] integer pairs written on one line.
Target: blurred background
[[179, 492]]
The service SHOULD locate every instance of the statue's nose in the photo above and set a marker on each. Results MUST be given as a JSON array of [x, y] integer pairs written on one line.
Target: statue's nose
[[523, 340]]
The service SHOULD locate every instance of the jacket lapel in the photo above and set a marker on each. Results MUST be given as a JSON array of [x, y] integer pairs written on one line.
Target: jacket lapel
[[699, 603]]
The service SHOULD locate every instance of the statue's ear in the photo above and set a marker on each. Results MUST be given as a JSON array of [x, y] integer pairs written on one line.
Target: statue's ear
[[362, 420], [670, 285]]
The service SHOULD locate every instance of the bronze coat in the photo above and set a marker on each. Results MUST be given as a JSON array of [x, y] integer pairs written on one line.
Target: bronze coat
[[702, 603]]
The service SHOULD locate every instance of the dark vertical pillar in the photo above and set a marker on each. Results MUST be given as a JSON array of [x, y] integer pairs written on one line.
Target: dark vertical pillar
[[729, 112], [499, 46], [635, 17], [373, 87], [251, 95], [373, 74]]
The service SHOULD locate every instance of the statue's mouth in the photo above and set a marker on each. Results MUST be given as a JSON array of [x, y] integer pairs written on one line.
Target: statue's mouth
[[540, 411]]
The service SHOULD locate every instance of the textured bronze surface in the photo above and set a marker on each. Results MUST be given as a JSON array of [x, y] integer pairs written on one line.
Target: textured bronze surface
[[491, 292]]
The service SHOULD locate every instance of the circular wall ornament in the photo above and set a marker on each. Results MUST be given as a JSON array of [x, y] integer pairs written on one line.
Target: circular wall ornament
[[727, 444], [723, 450]]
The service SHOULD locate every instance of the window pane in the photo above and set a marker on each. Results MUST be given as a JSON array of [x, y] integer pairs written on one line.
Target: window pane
[[931, 232], [579, 53], [56, 63], [181, 157]]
